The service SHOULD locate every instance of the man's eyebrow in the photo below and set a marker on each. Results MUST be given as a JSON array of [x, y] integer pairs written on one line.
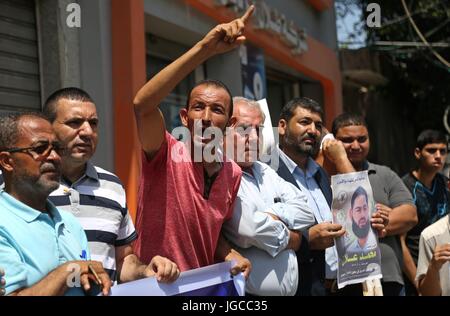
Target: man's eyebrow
[[73, 117], [245, 126], [41, 140]]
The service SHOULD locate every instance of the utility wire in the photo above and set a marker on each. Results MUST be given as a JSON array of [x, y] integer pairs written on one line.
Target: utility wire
[[422, 38]]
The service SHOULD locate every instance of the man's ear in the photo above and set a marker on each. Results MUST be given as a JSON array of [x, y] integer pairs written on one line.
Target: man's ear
[[6, 161], [417, 153], [282, 126], [184, 117]]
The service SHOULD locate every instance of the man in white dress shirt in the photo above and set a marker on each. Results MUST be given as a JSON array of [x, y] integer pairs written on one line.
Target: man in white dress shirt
[[269, 212]]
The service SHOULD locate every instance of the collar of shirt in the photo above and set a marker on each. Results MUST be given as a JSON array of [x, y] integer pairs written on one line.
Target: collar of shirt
[[311, 168], [90, 172], [27, 213], [254, 175], [369, 167]]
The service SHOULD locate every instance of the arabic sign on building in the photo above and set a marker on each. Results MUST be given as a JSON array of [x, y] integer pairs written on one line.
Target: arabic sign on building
[[271, 20]]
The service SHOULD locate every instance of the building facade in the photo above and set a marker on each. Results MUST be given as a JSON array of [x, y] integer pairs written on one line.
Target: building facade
[[111, 47]]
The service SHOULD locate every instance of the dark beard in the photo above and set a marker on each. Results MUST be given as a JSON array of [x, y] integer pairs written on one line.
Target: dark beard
[[298, 145], [360, 232]]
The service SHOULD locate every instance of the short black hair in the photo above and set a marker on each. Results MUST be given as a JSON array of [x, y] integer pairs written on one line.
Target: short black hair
[[70, 93], [430, 136], [358, 192], [347, 119], [214, 83], [9, 127], [305, 103]]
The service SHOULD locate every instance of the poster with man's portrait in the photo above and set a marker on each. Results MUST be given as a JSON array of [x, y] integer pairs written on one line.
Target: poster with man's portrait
[[359, 257]]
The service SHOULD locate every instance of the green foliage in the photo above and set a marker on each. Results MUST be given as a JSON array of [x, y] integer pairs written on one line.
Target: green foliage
[[418, 82]]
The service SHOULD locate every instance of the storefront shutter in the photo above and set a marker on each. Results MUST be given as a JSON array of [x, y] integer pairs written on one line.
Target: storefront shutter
[[19, 61]]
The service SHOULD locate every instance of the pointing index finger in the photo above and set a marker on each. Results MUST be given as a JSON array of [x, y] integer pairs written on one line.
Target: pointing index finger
[[248, 13]]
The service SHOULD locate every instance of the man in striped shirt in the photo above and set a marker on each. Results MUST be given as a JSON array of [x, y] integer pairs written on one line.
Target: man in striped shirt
[[95, 196]]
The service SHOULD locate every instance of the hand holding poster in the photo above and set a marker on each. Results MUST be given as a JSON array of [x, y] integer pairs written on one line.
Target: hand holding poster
[[213, 280], [359, 257]]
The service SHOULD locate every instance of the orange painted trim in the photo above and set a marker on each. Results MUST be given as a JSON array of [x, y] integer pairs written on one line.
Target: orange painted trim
[[321, 5], [319, 62], [128, 76]]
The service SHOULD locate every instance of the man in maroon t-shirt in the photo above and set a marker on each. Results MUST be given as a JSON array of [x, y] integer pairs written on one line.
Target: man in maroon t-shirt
[[183, 201]]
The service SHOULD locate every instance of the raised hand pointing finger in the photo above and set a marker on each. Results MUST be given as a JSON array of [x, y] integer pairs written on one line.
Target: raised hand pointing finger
[[247, 15]]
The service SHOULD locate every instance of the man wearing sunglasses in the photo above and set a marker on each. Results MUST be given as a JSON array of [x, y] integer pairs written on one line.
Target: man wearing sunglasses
[[431, 196], [390, 195], [95, 196], [41, 248]]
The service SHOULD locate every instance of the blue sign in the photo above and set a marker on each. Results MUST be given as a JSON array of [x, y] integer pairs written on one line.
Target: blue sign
[[253, 72]]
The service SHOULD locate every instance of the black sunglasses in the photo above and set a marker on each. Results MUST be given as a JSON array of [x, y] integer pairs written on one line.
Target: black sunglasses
[[40, 151]]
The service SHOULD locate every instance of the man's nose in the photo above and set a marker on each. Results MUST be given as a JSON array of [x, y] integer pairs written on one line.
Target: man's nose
[[86, 129], [355, 145], [54, 156], [207, 115], [312, 129]]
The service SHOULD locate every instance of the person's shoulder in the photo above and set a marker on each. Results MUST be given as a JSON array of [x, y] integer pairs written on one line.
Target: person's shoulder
[[442, 178], [267, 172], [379, 168], [264, 170], [383, 171], [232, 168], [264, 167], [171, 139], [409, 180], [438, 228], [104, 174], [408, 177]]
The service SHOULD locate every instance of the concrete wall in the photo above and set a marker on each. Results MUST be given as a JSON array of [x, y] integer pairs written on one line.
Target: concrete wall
[[185, 25], [320, 25], [59, 47], [176, 21], [80, 57], [96, 72]]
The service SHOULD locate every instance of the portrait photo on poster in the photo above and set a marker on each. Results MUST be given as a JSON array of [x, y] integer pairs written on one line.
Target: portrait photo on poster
[[359, 257]]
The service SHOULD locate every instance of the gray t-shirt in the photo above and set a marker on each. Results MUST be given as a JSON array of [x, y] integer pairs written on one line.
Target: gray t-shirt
[[435, 234], [389, 189]]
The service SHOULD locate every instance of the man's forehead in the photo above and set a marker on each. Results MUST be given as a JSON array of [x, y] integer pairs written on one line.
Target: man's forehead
[[300, 113], [352, 130], [247, 116], [70, 107], [435, 145], [210, 92], [249, 121], [35, 128]]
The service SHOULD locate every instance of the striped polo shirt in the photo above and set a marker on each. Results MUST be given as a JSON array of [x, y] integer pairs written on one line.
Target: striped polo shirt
[[98, 201]]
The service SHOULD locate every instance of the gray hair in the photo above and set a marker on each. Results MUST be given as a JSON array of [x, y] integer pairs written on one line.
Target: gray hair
[[251, 104]]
